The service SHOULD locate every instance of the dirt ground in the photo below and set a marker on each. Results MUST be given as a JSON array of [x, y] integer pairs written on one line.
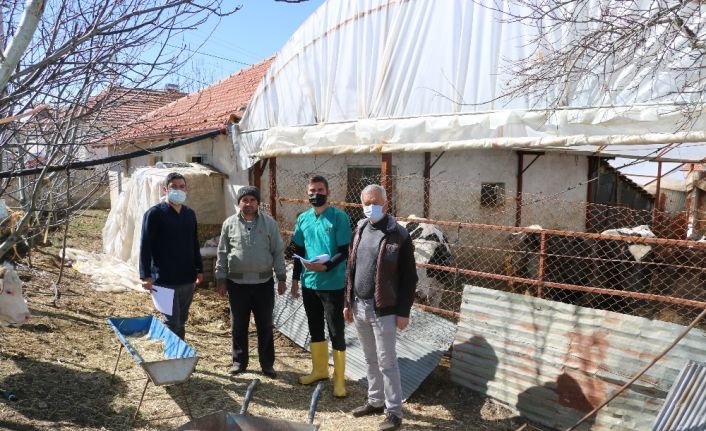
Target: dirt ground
[[60, 366]]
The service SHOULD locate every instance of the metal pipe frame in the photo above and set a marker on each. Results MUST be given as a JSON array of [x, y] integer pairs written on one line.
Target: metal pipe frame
[[565, 286], [540, 283]]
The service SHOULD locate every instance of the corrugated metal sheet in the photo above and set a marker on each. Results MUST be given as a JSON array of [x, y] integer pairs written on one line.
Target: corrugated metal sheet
[[553, 362], [685, 407], [419, 347]]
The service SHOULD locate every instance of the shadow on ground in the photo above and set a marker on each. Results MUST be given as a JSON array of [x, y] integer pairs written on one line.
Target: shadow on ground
[[56, 393]]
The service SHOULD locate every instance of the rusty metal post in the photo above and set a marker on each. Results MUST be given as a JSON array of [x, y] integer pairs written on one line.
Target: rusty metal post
[[542, 256], [700, 206], [658, 185], [273, 187], [518, 195], [593, 167], [658, 191], [427, 178], [386, 177]]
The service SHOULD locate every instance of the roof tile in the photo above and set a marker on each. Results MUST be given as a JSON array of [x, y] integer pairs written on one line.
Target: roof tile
[[207, 109], [118, 106]]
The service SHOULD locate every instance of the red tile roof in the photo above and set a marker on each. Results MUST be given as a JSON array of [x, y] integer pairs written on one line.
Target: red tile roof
[[205, 110], [118, 106], [693, 167]]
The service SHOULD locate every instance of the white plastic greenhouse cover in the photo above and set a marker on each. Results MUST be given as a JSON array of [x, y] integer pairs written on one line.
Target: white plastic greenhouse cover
[[365, 76], [123, 228]]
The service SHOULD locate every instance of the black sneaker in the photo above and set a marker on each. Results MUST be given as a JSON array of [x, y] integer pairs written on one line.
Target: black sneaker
[[391, 422], [366, 410], [270, 372], [236, 369]]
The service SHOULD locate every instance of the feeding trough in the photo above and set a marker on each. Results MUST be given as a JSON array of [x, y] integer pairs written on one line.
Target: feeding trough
[[224, 421], [163, 356]]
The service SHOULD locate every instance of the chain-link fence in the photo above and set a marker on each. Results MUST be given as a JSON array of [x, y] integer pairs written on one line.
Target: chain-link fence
[[608, 257]]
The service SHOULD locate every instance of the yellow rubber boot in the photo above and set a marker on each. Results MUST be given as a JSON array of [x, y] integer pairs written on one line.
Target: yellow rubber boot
[[319, 363], [339, 373]]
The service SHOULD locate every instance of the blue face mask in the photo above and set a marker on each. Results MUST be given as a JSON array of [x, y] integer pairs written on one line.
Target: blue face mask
[[176, 196], [373, 212]]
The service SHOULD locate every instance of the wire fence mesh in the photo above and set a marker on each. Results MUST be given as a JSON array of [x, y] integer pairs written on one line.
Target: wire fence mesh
[[611, 257]]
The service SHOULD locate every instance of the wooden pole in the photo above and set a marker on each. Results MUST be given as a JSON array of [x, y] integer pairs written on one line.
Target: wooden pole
[[658, 191], [542, 261], [386, 177]]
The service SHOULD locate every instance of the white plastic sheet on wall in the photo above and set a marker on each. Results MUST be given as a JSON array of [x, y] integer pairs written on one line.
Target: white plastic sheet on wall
[[123, 228], [419, 75]]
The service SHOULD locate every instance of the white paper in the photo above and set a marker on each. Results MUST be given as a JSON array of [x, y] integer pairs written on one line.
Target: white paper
[[163, 299], [322, 258]]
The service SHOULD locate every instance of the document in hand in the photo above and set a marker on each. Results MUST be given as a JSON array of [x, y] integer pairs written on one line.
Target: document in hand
[[163, 299], [322, 258]]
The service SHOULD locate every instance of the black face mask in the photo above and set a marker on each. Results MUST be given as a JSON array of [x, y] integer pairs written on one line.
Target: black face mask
[[317, 199]]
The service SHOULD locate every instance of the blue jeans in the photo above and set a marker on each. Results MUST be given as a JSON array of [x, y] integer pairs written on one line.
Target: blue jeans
[[378, 337]]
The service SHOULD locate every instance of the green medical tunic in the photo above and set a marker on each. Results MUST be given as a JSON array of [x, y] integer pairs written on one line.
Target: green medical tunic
[[323, 234]]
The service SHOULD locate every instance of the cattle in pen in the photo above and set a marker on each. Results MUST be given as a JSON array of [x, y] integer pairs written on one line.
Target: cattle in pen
[[431, 247]]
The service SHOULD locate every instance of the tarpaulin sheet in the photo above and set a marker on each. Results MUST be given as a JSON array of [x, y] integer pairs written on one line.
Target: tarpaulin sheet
[[364, 76]]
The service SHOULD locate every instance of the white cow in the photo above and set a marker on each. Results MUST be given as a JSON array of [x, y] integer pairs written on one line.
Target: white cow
[[13, 307], [432, 247]]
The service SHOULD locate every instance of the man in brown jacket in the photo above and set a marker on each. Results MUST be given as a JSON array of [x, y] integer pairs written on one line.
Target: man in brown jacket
[[380, 285]]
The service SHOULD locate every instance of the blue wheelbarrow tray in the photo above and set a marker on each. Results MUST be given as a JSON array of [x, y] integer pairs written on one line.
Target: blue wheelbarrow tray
[[179, 358]]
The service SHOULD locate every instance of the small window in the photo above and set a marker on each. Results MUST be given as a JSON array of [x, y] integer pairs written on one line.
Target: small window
[[157, 159], [492, 195], [198, 158]]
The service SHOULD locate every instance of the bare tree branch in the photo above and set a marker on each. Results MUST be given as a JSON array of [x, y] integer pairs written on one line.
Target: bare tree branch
[[86, 61], [613, 52], [23, 36]]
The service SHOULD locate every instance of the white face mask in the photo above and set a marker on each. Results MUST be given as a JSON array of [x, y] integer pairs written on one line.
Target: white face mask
[[373, 212], [176, 196]]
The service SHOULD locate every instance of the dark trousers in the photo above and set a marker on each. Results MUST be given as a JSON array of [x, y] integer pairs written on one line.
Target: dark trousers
[[260, 300], [325, 306], [183, 295]]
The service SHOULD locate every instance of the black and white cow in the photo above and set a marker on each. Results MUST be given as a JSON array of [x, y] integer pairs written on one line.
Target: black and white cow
[[604, 263], [623, 265], [432, 247]]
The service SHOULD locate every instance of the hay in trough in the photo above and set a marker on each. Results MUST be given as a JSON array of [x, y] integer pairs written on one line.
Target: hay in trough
[[150, 349]]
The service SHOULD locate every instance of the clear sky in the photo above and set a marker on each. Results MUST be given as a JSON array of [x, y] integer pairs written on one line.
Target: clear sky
[[258, 30]]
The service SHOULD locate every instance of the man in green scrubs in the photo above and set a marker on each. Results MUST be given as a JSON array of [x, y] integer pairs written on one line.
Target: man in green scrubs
[[322, 231]]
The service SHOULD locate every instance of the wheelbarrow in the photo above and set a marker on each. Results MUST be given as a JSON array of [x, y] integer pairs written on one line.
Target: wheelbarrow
[[224, 421], [176, 361]]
